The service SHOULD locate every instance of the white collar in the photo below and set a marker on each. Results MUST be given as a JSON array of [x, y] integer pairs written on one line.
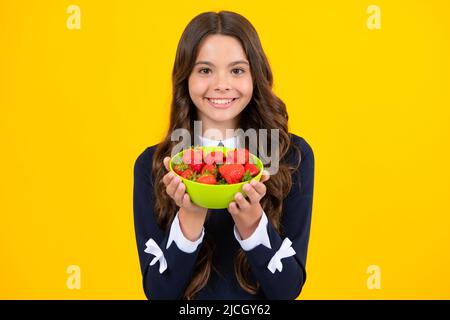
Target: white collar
[[228, 143]]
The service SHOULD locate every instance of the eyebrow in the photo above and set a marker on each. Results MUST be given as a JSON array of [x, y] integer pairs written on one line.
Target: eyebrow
[[230, 65]]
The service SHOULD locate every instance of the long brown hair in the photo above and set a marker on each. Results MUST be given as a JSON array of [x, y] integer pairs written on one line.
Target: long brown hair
[[264, 111]]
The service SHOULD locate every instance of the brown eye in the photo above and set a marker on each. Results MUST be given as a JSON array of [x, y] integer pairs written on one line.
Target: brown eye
[[238, 71], [204, 70]]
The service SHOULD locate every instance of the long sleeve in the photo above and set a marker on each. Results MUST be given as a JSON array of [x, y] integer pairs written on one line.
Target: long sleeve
[[296, 221], [158, 282], [259, 236]]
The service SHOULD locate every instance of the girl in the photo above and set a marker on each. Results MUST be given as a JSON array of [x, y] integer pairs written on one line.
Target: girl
[[256, 248]]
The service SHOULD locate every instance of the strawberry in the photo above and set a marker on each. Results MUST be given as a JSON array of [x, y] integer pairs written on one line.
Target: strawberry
[[209, 168], [240, 156], [214, 157], [179, 168], [196, 167], [252, 169], [194, 159], [232, 173], [207, 179], [187, 174]]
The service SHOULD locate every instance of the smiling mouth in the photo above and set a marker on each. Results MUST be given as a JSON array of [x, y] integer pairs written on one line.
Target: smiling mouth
[[221, 102]]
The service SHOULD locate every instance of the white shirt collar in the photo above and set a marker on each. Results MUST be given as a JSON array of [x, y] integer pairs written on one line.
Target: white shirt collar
[[228, 143]]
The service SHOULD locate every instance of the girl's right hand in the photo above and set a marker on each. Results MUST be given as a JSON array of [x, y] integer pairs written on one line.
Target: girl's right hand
[[191, 216], [176, 189]]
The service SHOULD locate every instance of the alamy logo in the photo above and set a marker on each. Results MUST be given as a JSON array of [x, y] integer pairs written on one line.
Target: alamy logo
[[374, 20], [258, 142], [74, 280], [374, 279], [74, 20]]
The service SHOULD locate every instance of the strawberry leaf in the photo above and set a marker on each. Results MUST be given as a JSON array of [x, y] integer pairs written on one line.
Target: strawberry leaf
[[247, 176], [178, 160]]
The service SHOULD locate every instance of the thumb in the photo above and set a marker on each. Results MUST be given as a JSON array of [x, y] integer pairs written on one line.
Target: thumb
[[166, 163], [265, 176]]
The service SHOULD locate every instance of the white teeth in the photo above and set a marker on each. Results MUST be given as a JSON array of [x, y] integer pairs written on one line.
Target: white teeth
[[220, 101]]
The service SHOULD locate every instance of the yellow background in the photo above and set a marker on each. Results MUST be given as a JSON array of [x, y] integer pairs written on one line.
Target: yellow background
[[78, 107]]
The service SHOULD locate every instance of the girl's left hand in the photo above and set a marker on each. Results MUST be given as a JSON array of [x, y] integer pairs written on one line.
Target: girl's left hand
[[247, 213]]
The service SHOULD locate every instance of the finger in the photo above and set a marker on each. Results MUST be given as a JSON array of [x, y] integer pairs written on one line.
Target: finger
[[188, 204], [253, 195], [168, 178], [259, 187], [179, 193], [186, 201], [232, 208], [265, 176], [172, 187], [241, 202], [166, 162]]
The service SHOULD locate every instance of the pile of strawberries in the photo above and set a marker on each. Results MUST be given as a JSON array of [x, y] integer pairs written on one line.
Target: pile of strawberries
[[216, 167]]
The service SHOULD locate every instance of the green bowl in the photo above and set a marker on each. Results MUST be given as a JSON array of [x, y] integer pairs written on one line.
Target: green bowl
[[215, 196]]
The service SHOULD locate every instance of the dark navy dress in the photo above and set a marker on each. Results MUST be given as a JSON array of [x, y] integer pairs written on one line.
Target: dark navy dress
[[296, 221]]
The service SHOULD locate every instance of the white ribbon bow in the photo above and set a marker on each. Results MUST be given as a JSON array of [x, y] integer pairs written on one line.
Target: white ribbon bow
[[155, 250], [285, 251]]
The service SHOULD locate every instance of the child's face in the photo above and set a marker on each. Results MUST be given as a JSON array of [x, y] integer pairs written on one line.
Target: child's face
[[220, 84]]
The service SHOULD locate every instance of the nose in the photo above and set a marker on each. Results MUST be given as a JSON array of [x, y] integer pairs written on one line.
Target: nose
[[222, 83]]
